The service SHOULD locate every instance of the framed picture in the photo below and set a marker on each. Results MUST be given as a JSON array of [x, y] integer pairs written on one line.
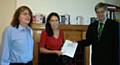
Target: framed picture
[[65, 19]]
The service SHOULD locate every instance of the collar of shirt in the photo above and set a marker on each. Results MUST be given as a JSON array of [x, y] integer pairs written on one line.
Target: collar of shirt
[[102, 22], [21, 28]]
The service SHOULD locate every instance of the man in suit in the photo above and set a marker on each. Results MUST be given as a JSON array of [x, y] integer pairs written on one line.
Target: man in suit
[[103, 35]]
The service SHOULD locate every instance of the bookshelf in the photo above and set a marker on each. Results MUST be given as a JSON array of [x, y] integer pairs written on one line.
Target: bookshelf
[[112, 10]]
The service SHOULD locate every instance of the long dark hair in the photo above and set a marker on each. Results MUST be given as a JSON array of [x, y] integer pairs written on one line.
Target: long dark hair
[[15, 21], [48, 27]]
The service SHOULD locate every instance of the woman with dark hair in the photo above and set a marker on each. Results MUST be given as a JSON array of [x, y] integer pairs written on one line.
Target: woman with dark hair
[[51, 41], [17, 39]]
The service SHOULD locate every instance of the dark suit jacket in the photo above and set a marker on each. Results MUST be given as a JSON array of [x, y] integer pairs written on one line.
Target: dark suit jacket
[[104, 50]]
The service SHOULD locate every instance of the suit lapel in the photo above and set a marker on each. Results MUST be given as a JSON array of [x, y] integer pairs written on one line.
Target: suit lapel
[[106, 25], [96, 29]]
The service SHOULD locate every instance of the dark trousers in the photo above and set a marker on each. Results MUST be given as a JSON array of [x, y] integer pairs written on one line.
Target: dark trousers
[[29, 63], [53, 59], [48, 59]]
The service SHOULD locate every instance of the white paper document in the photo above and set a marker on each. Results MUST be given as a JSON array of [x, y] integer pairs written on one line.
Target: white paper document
[[69, 48]]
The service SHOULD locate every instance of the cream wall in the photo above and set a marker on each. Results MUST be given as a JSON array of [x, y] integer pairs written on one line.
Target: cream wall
[[7, 7], [74, 8]]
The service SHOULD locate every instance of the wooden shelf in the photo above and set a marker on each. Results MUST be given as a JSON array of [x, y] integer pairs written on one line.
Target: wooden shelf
[[37, 26]]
